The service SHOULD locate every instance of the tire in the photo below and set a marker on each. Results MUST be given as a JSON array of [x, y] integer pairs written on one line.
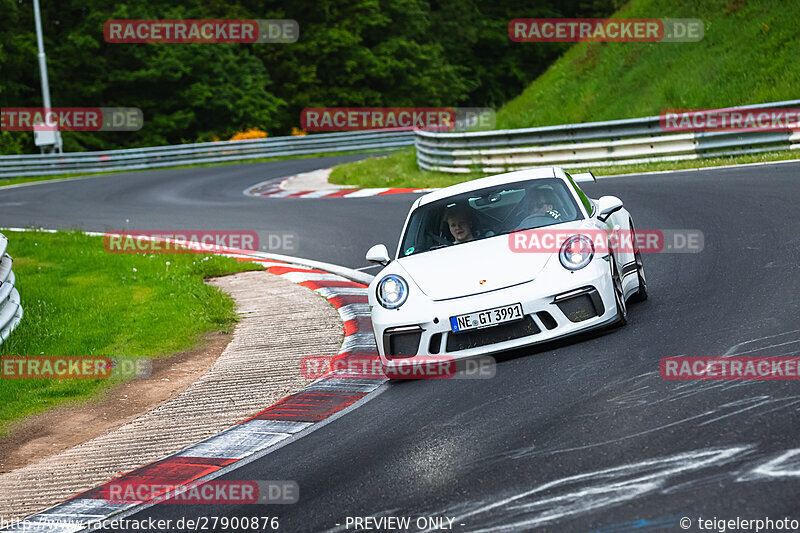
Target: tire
[[641, 294], [619, 295]]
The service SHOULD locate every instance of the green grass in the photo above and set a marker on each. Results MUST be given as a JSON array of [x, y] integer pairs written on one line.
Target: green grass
[[401, 170], [395, 170], [748, 55], [80, 300]]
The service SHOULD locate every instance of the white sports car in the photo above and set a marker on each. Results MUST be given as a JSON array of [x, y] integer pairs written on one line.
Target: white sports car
[[503, 262]]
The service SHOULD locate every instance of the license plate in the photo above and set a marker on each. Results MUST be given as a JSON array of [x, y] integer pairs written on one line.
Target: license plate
[[489, 317]]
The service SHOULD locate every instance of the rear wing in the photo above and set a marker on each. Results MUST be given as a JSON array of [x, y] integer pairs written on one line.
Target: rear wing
[[584, 177]]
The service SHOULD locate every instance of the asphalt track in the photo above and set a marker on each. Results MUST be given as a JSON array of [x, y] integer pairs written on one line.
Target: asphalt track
[[579, 436], [212, 199]]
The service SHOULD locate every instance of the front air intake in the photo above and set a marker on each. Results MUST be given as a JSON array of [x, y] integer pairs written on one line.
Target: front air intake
[[581, 304], [402, 341]]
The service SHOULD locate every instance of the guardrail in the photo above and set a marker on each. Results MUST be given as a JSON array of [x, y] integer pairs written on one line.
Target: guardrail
[[212, 152], [10, 308], [592, 144]]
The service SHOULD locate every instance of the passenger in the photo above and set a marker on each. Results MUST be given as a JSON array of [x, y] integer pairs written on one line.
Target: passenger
[[459, 222]]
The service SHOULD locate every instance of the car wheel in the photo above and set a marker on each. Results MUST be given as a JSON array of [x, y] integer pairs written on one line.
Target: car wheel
[[641, 294], [619, 295]]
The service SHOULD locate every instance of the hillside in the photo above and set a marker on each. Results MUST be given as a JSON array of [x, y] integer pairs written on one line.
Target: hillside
[[748, 55]]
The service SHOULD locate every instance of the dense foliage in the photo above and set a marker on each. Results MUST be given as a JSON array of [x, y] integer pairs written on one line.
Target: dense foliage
[[350, 53]]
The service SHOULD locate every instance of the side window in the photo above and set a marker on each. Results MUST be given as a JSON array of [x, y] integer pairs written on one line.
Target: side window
[[584, 199]]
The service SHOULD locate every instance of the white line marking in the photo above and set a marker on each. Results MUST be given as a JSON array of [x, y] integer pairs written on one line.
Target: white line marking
[[299, 277], [351, 311], [317, 194], [332, 292], [365, 192]]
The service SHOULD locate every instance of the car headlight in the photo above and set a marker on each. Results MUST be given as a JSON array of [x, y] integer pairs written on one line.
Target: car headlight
[[392, 291], [576, 252]]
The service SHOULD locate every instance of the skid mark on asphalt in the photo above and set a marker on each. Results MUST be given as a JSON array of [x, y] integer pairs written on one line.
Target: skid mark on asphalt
[[786, 464], [708, 417], [648, 391], [754, 404], [644, 389], [734, 350], [574, 495]]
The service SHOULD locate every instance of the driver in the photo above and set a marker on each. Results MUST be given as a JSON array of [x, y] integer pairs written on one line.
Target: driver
[[544, 204], [459, 222]]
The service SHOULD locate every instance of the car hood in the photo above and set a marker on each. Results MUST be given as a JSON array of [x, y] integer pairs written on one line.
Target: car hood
[[472, 268]]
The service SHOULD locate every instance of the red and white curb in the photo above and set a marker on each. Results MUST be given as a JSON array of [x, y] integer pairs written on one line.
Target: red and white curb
[[288, 419], [271, 190]]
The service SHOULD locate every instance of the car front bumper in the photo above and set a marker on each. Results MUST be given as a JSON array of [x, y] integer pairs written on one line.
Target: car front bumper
[[558, 306]]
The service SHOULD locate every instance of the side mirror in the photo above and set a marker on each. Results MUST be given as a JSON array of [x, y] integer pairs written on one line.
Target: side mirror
[[379, 254], [606, 206]]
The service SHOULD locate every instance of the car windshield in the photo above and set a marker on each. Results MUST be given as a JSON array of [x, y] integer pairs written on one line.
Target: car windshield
[[488, 212]]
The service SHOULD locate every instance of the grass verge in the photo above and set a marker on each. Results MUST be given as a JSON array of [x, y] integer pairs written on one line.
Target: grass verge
[[748, 55], [401, 170], [80, 300]]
